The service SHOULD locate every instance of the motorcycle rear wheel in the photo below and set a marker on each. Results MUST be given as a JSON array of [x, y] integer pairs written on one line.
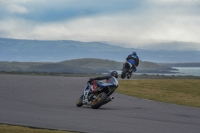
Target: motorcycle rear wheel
[[79, 102], [99, 101], [123, 75]]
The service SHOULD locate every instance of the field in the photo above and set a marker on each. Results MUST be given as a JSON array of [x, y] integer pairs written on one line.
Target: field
[[175, 91], [18, 129]]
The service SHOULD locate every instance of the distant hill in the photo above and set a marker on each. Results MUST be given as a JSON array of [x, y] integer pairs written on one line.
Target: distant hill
[[180, 64], [56, 51], [173, 46], [86, 65]]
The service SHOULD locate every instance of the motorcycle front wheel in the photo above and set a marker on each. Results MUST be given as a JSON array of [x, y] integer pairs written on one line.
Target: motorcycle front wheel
[[99, 101], [79, 102], [123, 75]]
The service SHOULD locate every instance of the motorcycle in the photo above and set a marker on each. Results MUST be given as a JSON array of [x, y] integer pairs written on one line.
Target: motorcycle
[[127, 70], [100, 96]]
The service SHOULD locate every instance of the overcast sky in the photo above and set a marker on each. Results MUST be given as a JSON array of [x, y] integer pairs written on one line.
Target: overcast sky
[[129, 22]]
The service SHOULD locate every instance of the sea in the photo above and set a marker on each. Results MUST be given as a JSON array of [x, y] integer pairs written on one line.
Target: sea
[[181, 71], [193, 71]]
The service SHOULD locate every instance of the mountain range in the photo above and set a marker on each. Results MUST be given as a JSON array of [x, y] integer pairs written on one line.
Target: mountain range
[[60, 50]]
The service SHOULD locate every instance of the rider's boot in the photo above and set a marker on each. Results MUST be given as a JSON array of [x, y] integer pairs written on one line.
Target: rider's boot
[[134, 69], [109, 99]]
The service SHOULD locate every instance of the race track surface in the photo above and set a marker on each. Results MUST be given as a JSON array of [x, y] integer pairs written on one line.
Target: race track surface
[[50, 102]]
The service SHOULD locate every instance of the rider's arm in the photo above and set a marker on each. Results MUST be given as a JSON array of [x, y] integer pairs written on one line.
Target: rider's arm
[[127, 58], [100, 78]]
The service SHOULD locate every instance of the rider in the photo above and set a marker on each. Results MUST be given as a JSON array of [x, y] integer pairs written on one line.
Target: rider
[[134, 60], [111, 79]]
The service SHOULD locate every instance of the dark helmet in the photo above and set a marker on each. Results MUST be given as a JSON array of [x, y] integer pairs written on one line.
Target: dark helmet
[[134, 53], [114, 73]]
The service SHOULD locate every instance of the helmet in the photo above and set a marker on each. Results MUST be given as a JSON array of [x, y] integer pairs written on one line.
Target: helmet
[[134, 53], [114, 73]]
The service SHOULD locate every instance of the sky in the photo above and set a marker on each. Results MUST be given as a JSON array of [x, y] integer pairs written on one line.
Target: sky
[[129, 23]]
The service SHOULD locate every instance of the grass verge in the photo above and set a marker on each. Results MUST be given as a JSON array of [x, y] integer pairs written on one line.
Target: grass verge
[[19, 129], [175, 91]]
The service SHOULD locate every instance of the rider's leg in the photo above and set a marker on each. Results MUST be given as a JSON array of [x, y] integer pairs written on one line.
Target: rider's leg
[[134, 68], [87, 89]]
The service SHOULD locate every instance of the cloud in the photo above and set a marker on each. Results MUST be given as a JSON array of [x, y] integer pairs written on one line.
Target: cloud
[[16, 9], [111, 28], [16, 1], [131, 23], [174, 1]]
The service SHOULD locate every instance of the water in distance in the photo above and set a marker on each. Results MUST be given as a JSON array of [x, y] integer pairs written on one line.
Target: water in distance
[[193, 71], [181, 71]]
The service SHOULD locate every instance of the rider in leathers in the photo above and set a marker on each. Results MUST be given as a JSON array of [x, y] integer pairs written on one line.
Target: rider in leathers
[[134, 60], [111, 81]]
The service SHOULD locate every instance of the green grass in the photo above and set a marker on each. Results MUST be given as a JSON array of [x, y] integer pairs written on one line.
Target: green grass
[[19, 129], [175, 91]]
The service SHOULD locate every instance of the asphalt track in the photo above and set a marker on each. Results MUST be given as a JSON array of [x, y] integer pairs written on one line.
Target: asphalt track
[[49, 102]]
